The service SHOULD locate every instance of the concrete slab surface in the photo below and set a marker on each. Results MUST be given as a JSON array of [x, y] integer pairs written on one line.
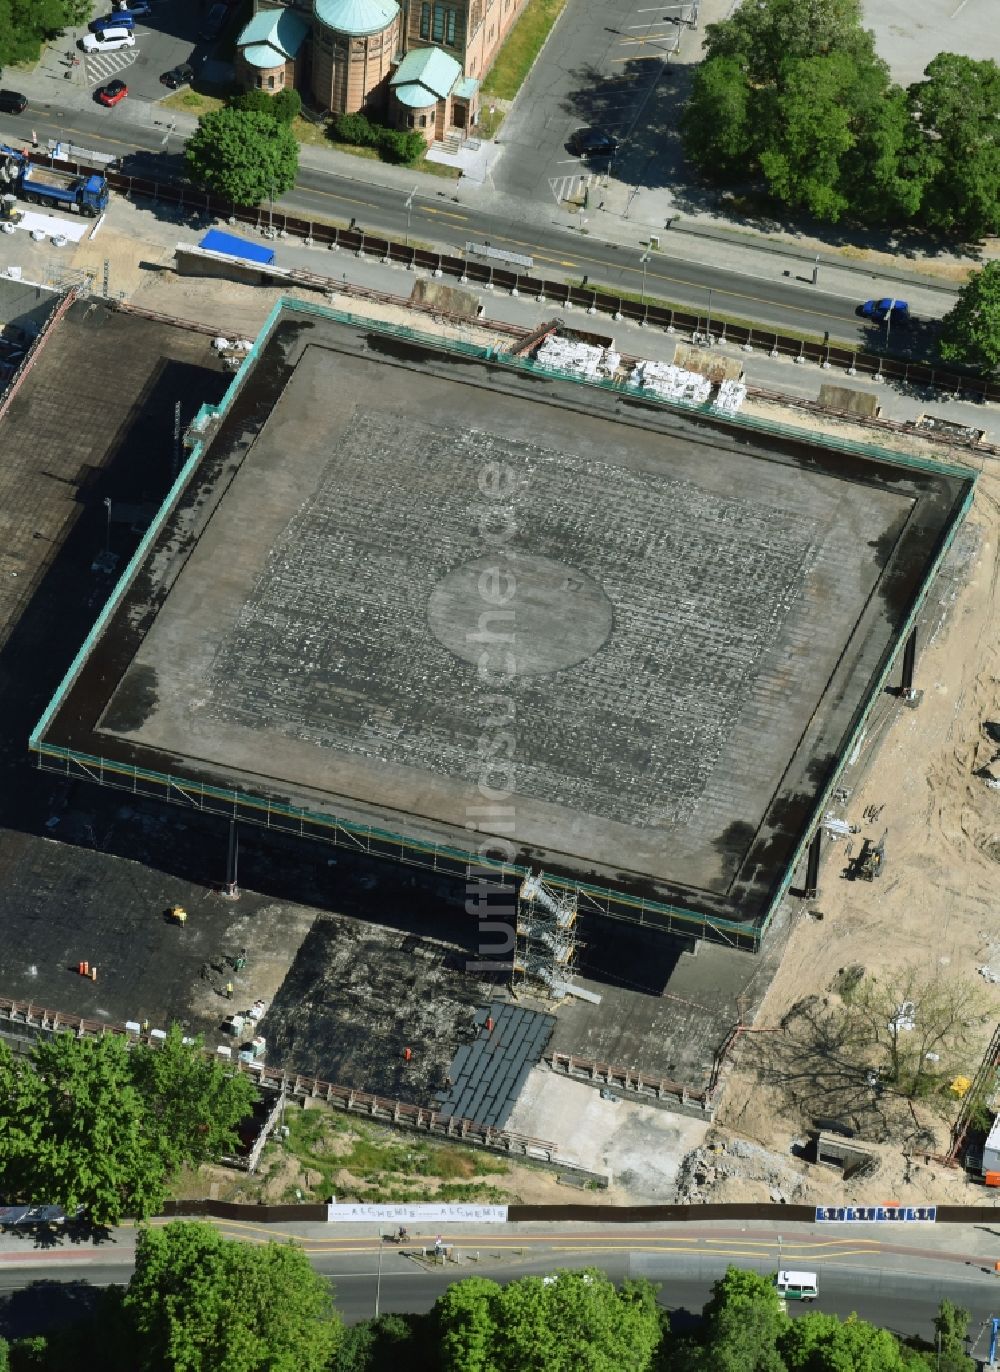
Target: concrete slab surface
[[697, 613]]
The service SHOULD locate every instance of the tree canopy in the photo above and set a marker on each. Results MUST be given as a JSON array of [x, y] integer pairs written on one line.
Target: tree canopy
[[202, 1303], [26, 24], [103, 1124], [793, 94], [245, 155], [559, 1323]]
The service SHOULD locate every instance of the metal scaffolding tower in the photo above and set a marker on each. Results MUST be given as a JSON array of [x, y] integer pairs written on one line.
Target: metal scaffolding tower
[[546, 936]]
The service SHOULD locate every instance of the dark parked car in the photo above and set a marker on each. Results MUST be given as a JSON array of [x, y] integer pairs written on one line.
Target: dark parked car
[[593, 143], [12, 102], [214, 22], [178, 76]]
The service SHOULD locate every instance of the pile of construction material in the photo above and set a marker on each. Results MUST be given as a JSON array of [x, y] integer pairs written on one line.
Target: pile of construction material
[[578, 359], [730, 397], [670, 382]]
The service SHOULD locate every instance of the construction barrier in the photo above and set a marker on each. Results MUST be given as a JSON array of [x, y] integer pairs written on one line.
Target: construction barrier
[[959, 383]]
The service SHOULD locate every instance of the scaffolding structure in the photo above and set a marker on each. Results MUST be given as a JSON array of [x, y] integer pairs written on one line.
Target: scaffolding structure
[[545, 941]]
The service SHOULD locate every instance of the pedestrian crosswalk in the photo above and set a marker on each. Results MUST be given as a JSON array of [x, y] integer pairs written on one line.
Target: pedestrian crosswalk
[[102, 67], [577, 187]]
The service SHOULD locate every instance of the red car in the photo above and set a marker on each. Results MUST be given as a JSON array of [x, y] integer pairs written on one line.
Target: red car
[[113, 93]]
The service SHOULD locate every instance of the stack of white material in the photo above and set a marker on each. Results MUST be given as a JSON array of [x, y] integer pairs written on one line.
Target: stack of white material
[[731, 396], [578, 359], [671, 383]]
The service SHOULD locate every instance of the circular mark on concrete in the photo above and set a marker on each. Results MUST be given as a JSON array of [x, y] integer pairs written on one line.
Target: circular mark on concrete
[[513, 614]]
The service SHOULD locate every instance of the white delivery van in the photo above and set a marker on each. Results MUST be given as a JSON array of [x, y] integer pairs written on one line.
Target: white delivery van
[[796, 1286]]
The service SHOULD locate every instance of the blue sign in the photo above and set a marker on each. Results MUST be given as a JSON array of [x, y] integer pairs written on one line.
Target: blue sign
[[875, 1214]]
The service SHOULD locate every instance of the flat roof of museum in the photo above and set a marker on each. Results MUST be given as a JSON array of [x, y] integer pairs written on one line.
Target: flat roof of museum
[[408, 584]]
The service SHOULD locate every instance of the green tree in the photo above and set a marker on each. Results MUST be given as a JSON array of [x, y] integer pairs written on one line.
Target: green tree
[[287, 105], [242, 155], [970, 331], [26, 24], [715, 122], [202, 1303], [916, 1028], [951, 1325], [466, 1320], [252, 101], [763, 36], [388, 1343], [71, 1129], [573, 1320], [4, 1356], [743, 1324], [824, 1343], [100, 1124], [193, 1104], [957, 108]]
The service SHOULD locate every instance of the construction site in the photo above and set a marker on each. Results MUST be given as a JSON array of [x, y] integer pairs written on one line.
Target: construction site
[[295, 657]]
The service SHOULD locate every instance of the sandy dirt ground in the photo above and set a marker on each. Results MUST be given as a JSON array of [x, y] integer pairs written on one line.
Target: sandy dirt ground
[[934, 908]]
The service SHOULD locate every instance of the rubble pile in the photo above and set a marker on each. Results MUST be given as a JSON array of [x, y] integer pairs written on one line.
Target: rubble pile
[[707, 1167]]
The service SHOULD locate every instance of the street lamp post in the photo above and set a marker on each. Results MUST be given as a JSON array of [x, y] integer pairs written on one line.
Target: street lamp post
[[643, 260], [378, 1279], [779, 1252], [270, 212], [107, 536], [409, 212], [708, 335]]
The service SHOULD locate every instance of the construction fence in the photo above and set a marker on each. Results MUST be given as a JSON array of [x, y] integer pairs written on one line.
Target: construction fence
[[948, 380]]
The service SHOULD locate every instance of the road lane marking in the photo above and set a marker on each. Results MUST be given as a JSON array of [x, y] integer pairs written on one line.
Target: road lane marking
[[447, 214]]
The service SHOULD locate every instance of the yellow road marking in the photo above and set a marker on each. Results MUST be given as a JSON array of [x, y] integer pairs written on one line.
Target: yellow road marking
[[447, 214]]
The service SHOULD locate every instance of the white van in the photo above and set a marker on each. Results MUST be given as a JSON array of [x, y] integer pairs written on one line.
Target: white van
[[108, 40], [796, 1286]]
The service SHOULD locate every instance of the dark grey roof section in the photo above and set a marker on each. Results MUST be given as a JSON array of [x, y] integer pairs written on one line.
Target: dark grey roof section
[[486, 1076]]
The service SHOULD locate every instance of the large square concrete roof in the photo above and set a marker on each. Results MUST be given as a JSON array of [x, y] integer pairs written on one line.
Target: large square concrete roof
[[467, 603]]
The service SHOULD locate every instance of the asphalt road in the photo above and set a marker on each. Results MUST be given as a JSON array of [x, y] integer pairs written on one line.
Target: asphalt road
[[793, 304], [904, 1301]]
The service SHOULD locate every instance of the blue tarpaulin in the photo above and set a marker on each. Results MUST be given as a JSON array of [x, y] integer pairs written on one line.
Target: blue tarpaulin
[[217, 241]]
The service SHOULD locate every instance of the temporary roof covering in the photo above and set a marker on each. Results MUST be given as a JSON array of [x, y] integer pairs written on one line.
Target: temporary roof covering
[[217, 241]]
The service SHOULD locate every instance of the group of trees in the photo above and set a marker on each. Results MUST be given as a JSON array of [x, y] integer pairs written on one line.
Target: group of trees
[[792, 93], [247, 151], [26, 24], [392, 145], [103, 1125], [200, 1303]]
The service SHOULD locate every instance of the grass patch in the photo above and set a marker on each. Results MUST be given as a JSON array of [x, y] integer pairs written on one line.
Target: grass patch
[[194, 102], [421, 164], [489, 122], [618, 293], [388, 1167], [520, 48]]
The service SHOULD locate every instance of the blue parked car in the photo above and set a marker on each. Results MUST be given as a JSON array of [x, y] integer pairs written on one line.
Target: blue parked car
[[896, 311], [121, 20]]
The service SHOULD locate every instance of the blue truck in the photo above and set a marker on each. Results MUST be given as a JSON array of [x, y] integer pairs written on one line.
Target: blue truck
[[87, 192]]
